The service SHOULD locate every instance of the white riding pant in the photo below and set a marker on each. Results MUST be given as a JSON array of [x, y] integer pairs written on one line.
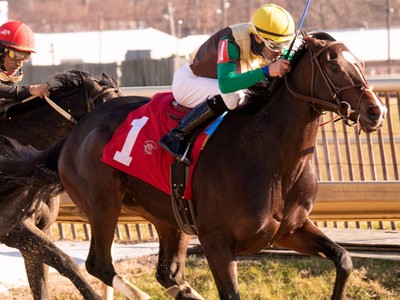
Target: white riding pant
[[190, 90]]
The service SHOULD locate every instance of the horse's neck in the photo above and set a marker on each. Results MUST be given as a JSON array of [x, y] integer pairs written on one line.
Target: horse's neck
[[291, 127], [300, 118]]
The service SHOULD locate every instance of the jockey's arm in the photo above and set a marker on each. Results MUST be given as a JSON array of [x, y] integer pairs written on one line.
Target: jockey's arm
[[229, 81], [14, 92]]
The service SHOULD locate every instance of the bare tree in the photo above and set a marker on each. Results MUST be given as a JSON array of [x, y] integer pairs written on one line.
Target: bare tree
[[194, 16]]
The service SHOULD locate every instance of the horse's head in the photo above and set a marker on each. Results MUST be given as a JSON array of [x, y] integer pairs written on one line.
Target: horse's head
[[338, 83], [69, 88]]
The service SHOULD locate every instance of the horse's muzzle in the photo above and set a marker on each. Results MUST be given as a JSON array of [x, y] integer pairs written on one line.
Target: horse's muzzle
[[373, 118]]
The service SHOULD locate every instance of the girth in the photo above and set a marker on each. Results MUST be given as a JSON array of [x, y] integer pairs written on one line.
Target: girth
[[182, 207]]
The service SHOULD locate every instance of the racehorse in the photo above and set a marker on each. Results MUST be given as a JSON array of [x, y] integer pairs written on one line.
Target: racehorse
[[253, 185], [38, 124]]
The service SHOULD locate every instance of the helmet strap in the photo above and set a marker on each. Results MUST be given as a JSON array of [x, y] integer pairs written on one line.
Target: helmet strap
[[257, 49], [255, 46]]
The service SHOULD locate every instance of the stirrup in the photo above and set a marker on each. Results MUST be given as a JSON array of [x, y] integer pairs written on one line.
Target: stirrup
[[177, 155], [184, 159]]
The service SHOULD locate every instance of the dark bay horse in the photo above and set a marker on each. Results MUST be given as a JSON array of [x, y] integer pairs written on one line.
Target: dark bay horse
[[37, 124], [253, 186]]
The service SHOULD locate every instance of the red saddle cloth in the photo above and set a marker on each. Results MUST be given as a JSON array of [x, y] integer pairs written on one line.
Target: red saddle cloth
[[134, 147]]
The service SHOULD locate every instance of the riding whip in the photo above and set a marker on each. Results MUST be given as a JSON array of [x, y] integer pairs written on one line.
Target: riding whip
[[287, 55]]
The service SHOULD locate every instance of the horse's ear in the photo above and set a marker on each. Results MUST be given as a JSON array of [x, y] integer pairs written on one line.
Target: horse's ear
[[304, 33], [108, 79], [309, 41], [314, 44], [321, 35]]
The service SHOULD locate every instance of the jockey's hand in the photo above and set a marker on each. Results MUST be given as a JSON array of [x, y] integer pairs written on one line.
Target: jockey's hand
[[279, 68], [39, 90]]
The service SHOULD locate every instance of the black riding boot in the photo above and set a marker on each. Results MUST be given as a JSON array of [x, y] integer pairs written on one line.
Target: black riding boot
[[176, 140]]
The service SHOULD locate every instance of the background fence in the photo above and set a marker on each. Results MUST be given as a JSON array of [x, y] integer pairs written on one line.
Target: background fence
[[145, 72], [140, 72], [357, 204], [342, 154]]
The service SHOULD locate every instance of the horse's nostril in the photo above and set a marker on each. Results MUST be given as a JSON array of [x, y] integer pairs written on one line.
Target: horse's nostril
[[374, 112]]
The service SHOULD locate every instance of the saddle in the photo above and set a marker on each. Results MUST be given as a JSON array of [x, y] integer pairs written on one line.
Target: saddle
[[178, 108], [134, 149]]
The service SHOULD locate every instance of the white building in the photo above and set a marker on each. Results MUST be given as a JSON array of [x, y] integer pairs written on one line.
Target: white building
[[370, 44], [109, 46], [112, 46], [3, 12]]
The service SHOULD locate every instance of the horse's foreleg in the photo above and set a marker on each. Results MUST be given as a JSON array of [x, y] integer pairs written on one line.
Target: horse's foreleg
[[312, 241], [222, 261], [103, 221], [37, 248], [37, 273], [171, 262]]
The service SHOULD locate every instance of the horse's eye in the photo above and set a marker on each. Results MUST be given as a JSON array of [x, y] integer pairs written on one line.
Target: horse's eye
[[334, 68]]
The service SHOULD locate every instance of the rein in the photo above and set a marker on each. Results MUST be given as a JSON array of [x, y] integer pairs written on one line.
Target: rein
[[342, 108], [90, 104], [61, 111]]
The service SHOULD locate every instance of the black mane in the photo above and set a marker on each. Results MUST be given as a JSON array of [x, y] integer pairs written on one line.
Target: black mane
[[61, 83]]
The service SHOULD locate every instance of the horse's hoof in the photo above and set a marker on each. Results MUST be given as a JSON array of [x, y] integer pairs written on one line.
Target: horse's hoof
[[183, 291]]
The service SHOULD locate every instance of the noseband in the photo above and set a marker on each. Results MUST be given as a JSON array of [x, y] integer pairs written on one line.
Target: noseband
[[342, 108]]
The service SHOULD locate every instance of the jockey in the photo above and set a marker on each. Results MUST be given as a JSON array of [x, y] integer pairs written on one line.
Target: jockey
[[233, 59], [16, 46]]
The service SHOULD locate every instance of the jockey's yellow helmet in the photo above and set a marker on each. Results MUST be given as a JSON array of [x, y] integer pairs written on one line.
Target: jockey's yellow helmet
[[273, 22]]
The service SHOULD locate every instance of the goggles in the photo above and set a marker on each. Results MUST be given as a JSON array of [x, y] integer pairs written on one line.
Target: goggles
[[16, 55], [270, 44], [274, 46]]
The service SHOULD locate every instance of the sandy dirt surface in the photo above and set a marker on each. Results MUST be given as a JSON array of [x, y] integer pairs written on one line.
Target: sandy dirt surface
[[14, 285], [60, 288], [143, 258]]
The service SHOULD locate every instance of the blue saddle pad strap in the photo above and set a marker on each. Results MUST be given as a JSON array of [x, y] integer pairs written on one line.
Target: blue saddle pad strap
[[213, 126]]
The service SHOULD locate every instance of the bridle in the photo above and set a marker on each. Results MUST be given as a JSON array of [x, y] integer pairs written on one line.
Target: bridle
[[342, 108], [90, 101]]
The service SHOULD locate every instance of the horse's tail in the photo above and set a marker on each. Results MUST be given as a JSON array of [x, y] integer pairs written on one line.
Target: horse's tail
[[27, 176]]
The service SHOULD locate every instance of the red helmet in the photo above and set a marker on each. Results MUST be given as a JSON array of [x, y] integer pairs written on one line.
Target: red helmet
[[17, 35]]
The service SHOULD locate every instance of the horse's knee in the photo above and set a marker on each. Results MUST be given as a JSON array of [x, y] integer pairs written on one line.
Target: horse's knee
[[344, 266], [344, 263]]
